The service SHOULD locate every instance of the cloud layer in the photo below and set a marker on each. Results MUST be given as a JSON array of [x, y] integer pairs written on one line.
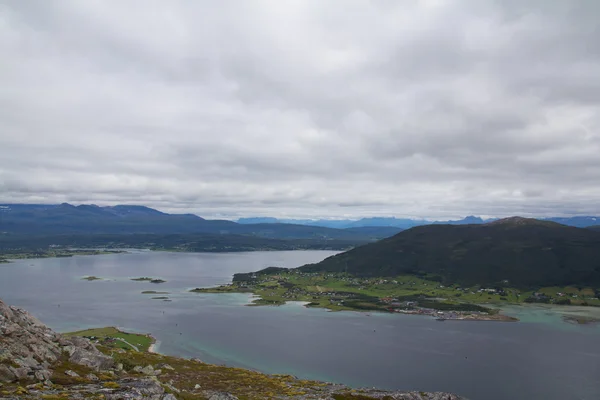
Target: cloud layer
[[303, 108]]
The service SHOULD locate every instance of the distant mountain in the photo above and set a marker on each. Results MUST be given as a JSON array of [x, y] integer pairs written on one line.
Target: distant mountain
[[579, 222], [524, 252], [376, 231], [25, 219], [403, 223]]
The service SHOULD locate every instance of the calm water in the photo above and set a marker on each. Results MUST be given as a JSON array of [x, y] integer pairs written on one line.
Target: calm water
[[540, 358]]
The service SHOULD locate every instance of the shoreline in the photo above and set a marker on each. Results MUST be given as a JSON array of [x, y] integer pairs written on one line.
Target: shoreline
[[9, 258]]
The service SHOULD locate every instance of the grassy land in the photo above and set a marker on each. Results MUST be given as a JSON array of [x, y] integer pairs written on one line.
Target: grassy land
[[114, 338], [343, 292]]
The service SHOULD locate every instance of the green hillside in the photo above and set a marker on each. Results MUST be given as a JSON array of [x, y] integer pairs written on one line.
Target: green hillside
[[516, 252]]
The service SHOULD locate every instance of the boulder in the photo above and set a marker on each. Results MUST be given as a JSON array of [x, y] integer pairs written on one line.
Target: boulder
[[92, 359], [6, 375], [148, 370]]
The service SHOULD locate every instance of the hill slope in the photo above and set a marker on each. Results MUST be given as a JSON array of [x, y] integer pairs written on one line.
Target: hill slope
[[526, 252]]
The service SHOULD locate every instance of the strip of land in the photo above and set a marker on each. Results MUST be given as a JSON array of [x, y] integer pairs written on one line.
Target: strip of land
[[406, 294], [52, 253]]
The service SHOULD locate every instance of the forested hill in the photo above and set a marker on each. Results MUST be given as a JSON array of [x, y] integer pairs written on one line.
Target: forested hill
[[524, 252]]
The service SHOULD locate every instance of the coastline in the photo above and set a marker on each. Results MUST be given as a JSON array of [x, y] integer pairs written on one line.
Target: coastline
[[6, 258]]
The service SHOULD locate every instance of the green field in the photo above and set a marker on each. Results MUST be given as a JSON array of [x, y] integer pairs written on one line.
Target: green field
[[123, 340]]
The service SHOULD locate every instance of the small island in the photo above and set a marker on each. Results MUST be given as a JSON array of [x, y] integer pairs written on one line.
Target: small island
[[148, 279], [581, 320], [153, 292], [92, 278]]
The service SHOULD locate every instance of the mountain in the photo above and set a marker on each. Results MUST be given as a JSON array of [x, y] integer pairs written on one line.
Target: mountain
[[579, 222], [402, 223], [27, 219], [405, 223], [525, 252], [375, 231]]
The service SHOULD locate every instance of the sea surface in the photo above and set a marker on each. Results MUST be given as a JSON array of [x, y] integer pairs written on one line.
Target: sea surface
[[541, 357]]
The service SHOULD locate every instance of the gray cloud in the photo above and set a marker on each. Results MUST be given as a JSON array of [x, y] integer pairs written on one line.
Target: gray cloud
[[426, 108]]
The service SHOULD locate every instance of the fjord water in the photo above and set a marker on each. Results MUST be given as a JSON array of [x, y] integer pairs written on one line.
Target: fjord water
[[540, 358]]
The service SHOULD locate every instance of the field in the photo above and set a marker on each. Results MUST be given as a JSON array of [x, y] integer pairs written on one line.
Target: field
[[112, 337]]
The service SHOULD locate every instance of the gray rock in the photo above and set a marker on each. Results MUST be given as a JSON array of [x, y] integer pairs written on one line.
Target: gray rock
[[137, 369], [34, 347], [42, 375], [119, 367], [92, 377], [71, 373], [92, 359], [22, 373], [222, 396], [169, 396], [148, 370], [6, 375]]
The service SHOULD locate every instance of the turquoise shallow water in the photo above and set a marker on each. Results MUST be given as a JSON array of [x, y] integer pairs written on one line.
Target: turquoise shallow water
[[541, 357]]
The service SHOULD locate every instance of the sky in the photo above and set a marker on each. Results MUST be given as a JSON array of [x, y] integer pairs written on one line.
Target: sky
[[306, 109]]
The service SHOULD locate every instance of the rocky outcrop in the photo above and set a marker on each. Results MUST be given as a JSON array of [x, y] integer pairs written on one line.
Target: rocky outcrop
[[28, 348]]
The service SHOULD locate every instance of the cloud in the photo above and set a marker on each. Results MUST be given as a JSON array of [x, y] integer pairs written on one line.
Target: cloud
[[425, 108]]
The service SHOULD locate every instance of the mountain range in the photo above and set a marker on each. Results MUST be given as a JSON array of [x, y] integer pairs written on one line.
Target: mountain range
[[42, 219], [516, 252], [406, 223], [402, 223]]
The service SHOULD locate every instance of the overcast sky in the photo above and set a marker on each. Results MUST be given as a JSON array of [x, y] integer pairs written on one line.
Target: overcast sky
[[426, 108]]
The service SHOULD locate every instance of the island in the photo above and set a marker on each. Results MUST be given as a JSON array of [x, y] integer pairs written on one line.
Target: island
[[148, 279], [91, 278]]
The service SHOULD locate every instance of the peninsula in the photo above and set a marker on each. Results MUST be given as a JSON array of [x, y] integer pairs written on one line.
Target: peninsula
[[449, 272]]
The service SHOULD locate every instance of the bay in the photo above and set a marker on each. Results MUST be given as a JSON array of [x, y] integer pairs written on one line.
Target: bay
[[541, 357]]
